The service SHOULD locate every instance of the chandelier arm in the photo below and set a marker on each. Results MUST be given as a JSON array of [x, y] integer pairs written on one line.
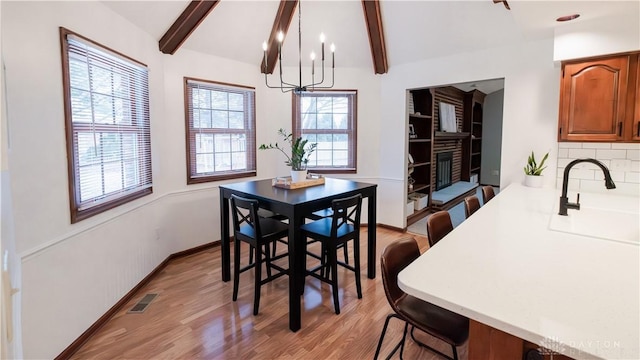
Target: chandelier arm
[[266, 82], [320, 83]]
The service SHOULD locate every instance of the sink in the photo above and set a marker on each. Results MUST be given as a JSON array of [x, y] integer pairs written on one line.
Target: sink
[[607, 224]]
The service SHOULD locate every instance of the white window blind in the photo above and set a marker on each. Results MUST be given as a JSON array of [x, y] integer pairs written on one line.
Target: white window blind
[[220, 123], [328, 118], [108, 127]]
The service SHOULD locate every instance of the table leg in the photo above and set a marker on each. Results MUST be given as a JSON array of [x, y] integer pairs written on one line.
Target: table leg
[[296, 272], [371, 227], [224, 238]]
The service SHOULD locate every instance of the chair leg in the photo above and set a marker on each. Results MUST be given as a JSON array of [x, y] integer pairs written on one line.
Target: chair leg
[[333, 261], [258, 279], [420, 343], [404, 338], [236, 268], [356, 264], [346, 253], [384, 331], [267, 254], [250, 255]]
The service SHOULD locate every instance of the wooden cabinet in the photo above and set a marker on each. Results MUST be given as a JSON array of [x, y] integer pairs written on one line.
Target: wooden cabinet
[[598, 99], [420, 148], [472, 146], [635, 126]]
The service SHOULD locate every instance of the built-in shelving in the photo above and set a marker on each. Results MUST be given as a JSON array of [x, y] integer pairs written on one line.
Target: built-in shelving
[[420, 121]]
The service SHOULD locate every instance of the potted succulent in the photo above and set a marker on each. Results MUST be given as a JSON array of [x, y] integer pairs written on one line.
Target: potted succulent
[[533, 171], [298, 158]]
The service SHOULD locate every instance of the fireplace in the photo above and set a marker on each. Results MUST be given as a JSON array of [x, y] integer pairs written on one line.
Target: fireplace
[[444, 169]]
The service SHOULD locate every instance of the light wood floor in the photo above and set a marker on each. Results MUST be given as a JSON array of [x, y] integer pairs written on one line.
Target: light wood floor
[[194, 318]]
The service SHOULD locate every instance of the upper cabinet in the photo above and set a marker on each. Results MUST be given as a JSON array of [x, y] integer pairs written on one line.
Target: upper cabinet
[[599, 99]]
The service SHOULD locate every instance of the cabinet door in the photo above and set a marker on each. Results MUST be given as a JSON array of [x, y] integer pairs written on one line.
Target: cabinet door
[[593, 100]]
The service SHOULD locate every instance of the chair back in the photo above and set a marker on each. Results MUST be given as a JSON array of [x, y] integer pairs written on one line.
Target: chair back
[[438, 225], [346, 213], [471, 205], [487, 193], [395, 257], [245, 217]]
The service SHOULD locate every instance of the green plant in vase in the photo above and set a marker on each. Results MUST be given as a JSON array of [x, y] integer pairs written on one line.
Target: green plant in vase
[[533, 170], [297, 157]]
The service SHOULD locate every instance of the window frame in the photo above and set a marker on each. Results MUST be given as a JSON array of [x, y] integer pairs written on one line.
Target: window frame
[[353, 129], [250, 130], [77, 210]]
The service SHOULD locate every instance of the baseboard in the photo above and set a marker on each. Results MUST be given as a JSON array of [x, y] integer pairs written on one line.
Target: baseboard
[[85, 336], [391, 227]]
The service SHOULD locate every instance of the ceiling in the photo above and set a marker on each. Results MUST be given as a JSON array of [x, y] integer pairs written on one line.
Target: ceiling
[[413, 30]]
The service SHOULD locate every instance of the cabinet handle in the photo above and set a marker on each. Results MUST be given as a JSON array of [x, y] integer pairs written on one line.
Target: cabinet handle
[[638, 127], [620, 129]]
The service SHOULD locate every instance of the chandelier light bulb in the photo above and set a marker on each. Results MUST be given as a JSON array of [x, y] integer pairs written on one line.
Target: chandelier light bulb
[[313, 56], [280, 36], [333, 48], [322, 38], [264, 46]]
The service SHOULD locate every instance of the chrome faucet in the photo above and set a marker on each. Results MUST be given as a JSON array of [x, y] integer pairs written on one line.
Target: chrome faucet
[[564, 201]]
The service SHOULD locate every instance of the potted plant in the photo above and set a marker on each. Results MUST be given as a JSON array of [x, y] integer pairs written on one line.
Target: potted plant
[[533, 171], [298, 158]]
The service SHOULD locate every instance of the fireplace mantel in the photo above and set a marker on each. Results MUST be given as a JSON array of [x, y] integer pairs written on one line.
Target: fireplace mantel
[[451, 135]]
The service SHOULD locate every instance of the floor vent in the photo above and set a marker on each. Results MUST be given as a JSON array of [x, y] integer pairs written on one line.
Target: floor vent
[[142, 305]]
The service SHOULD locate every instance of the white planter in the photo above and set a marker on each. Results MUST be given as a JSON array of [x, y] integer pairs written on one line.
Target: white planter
[[298, 175], [533, 181]]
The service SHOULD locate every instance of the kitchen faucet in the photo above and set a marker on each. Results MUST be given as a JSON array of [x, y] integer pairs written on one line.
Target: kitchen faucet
[[564, 201]]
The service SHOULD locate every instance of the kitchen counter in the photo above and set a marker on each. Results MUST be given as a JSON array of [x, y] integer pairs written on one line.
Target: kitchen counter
[[506, 268]]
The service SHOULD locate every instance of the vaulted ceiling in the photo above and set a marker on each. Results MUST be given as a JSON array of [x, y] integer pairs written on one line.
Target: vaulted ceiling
[[412, 30]]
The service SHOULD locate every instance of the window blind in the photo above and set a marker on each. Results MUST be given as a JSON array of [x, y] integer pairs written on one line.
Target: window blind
[[220, 123], [108, 125], [328, 118]]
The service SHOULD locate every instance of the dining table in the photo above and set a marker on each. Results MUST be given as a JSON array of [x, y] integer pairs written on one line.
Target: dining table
[[297, 205]]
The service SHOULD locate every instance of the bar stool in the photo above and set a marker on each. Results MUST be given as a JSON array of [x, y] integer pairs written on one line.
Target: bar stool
[[487, 193], [259, 233], [440, 323], [471, 205], [333, 232], [438, 226]]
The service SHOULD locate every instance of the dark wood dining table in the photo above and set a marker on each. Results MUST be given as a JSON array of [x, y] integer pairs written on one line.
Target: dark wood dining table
[[296, 205]]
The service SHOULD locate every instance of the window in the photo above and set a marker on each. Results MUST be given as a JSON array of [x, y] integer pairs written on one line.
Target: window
[[221, 137], [106, 97], [328, 118]]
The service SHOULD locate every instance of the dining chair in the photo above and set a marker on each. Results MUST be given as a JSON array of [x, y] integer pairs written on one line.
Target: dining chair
[[487, 193], [471, 205], [440, 323], [271, 215], [327, 213], [332, 232], [438, 225], [258, 232]]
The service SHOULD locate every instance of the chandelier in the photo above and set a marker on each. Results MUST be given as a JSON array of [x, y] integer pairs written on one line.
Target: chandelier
[[298, 88]]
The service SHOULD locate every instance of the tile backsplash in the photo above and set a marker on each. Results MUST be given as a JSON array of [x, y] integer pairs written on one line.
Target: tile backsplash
[[623, 161]]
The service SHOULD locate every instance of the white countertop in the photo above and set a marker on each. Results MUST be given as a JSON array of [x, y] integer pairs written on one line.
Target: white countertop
[[504, 267]]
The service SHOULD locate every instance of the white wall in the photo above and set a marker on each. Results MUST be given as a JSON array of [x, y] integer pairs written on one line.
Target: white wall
[[72, 274], [491, 138], [601, 36], [529, 114]]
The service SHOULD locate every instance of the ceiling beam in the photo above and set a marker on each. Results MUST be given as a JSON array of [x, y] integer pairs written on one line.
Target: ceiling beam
[[280, 23], [504, 2], [371, 9], [184, 25]]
